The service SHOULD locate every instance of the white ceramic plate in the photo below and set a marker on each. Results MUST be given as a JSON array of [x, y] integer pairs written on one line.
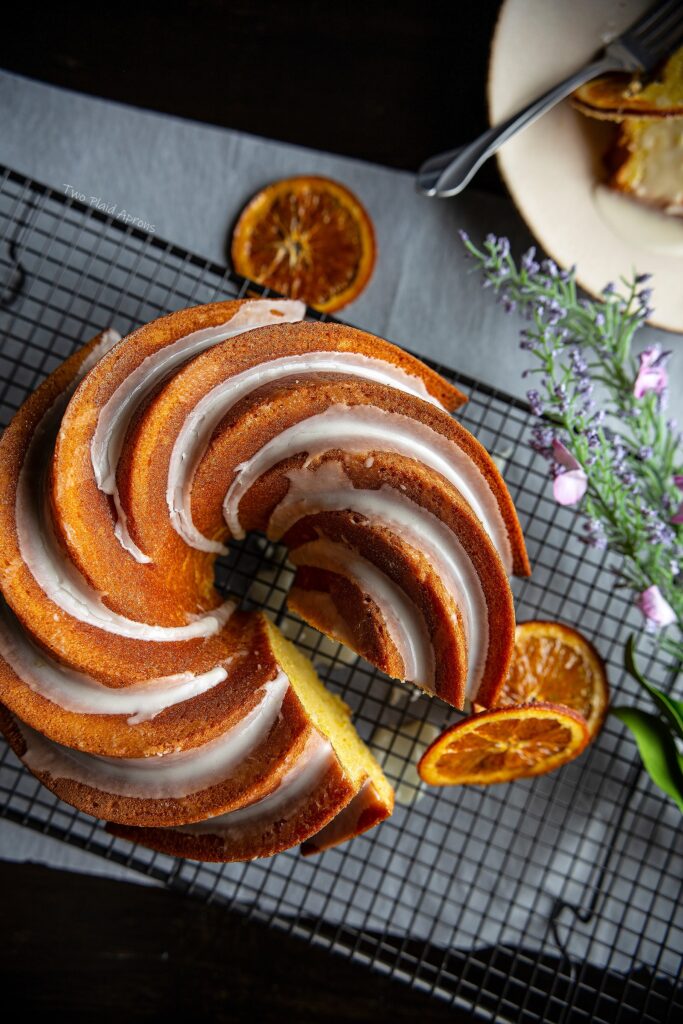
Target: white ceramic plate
[[552, 169]]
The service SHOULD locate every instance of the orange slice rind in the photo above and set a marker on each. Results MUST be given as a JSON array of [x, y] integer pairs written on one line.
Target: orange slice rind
[[555, 663], [308, 238], [505, 744], [618, 97]]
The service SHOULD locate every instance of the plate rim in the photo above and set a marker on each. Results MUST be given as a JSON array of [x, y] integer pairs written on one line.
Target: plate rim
[[534, 228]]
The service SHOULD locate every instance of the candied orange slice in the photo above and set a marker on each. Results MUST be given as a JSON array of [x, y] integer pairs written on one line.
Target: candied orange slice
[[505, 744], [552, 662], [619, 96], [308, 238]]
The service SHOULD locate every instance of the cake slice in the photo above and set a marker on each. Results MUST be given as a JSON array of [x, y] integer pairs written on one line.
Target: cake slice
[[309, 782], [645, 159], [646, 162], [311, 805]]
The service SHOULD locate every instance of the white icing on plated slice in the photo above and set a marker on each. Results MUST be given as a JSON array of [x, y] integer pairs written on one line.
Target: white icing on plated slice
[[116, 414], [195, 434], [404, 621], [171, 776], [362, 428], [297, 783], [77, 692], [328, 488]]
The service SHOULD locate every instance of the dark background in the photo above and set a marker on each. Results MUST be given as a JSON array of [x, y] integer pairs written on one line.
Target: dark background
[[390, 82]]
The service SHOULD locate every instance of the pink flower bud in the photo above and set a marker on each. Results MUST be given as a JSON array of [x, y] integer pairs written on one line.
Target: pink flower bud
[[652, 375], [570, 487], [655, 607]]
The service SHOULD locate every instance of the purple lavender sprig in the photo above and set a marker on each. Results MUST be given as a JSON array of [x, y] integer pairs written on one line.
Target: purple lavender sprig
[[602, 423]]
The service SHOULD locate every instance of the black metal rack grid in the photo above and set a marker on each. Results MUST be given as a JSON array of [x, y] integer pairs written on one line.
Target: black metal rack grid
[[552, 899]]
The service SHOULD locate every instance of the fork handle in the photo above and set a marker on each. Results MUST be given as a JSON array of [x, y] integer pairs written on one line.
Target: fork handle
[[466, 161]]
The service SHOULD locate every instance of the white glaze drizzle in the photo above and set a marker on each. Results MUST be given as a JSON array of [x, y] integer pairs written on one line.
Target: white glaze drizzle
[[122, 533], [297, 783], [52, 570], [116, 414], [74, 691], [195, 434], [328, 488], [403, 620], [363, 428], [166, 776], [40, 550]]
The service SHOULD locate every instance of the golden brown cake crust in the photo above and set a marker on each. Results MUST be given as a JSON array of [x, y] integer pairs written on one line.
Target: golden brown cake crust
[[362, 813], [84, 518], [339, 608], [82, 647], [254, 778], [413, 572], [178, 580], [182, 726], [251, 424], [143, 471], [332, 793]]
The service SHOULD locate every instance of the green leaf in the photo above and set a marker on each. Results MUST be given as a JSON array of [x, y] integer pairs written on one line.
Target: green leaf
[[630, 659], [671, 709], [657, 749]]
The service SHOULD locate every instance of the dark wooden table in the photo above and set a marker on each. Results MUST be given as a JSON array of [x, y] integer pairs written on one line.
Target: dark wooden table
[[79, 948], [391, 82]]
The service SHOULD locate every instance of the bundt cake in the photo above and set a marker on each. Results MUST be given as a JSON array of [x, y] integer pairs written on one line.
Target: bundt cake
[[138, 693]]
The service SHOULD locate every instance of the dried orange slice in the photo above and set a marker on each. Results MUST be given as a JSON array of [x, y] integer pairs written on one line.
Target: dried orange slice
[[505, 744], [617, 97], [308, 238], [552, 662]]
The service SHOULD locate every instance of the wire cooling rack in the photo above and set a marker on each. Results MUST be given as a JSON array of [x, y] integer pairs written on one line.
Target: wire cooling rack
[[555, 899]]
